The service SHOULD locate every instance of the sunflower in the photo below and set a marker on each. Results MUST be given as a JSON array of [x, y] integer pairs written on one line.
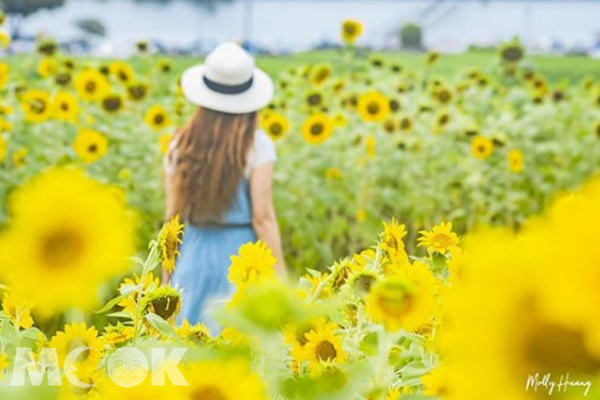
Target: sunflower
[[64, 228], [391, 240], [376, 61], [405, 124], [4, 70], [597, 129], [317, 128], [122, 71], [4, 40], [515, 161], [164, 141], [18, 314], [362, 281], [340, 119], [436, 382], [390, 125], [36, 105], [164, 301], [112, 103], [440, 239], [108, 389], [314, 99], [165, 65], [169, 239], [90, 377], [19, 157], [481, 147], [5, 126], [115, 335], [373, 107], [198, 334], [47, 47], [254, 263], [320, 74], [404, 300], [443, 95], [5, 109], [341, 271], [75, 336], [142, 46], [211, 379], [90, 145], [276, 126], [521, 313], [351, 30], [129, 303], [323, 346], [370, 146], [65, 106], [3, 147], [3, 364], [91, 85], [137, 91], [512, 52], [63, 79], [432, 57], [47, 67], [157, 118]]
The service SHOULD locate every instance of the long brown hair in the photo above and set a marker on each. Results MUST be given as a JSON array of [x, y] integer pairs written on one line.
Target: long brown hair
[[210, 156]]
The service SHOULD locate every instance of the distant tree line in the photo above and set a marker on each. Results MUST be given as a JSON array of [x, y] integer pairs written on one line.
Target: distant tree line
[[26, 7]]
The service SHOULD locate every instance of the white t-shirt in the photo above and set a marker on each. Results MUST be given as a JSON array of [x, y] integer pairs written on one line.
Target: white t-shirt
[[262, 152]]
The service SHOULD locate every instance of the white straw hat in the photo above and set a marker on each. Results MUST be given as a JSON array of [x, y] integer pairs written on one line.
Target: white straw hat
[[228, 82]]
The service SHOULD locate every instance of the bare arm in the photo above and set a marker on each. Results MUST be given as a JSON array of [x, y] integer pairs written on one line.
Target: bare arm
[[264, 218]]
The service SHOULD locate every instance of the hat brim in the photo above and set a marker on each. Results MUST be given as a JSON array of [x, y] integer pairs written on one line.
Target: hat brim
[[258, 96]]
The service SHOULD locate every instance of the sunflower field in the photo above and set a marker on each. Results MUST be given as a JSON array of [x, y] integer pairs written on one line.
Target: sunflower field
[[442, 229]]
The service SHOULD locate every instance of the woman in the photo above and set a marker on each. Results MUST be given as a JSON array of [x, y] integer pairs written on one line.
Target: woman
[[218, 178]]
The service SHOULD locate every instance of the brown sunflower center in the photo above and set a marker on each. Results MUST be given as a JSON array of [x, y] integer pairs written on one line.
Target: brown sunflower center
[[65, 106], [373, 108], [350, 29], [123, 76], [159, 119], [92, 148], [548, 347], [317, 129], [208, 393], [38, 106], [314, 99], [112, 103], [396, 302], [325, 351], [512, 53], [62, 248], [405, 123], [90, 86], [276, 129]]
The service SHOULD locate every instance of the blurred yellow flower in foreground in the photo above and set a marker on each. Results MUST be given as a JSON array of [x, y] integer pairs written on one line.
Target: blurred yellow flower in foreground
[[66, 231], [18, 314], [254, 264]]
